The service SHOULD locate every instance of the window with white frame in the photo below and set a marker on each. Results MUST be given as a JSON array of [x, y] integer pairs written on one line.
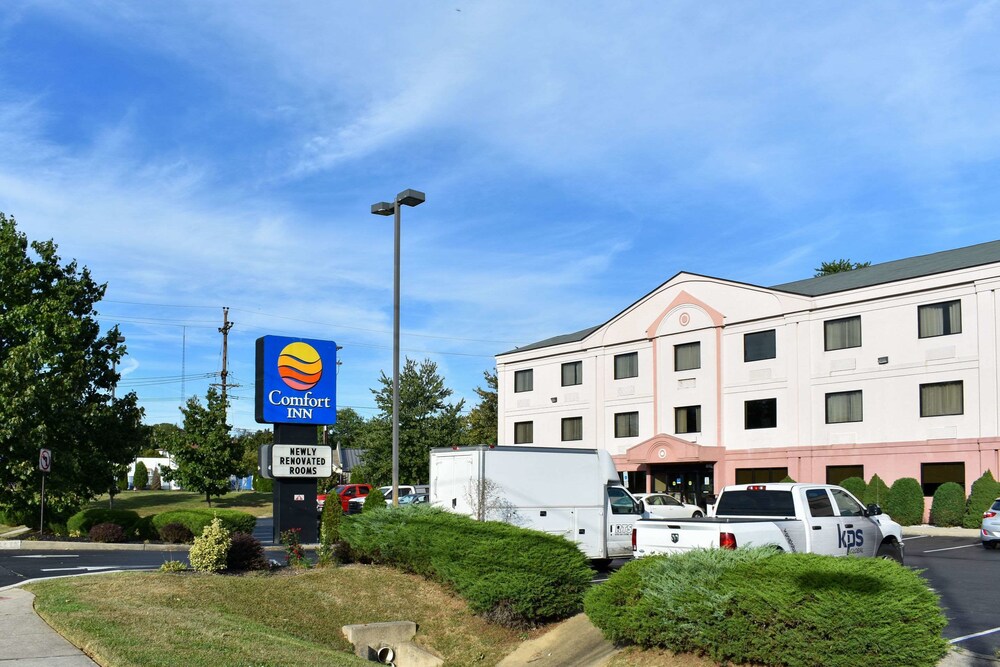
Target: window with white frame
[[687, 419], [941, 398], [572, 428], [759, 345], [626, 365], [843, 406], [842, 333], [524, 433], [523, 380], [572, 373], [939, 319], [626, 424], [687, 356]]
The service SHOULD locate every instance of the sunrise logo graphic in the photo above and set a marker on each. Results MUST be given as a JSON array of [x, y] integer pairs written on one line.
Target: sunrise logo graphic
[[300, 366]]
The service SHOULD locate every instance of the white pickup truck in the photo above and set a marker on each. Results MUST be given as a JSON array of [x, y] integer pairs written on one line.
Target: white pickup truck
[[813, 518]]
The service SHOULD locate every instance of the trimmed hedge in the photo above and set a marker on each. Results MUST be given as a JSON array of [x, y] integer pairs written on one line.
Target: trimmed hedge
[[905, 502], [876, 492], [140, 477], [856, 486], [234, 521], [764, 607], [134, 526], [510, 575], [984, 491], [948, 506], [373, 501]]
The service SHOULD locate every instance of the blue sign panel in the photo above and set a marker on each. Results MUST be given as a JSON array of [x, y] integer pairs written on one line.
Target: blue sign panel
[[296, 381]]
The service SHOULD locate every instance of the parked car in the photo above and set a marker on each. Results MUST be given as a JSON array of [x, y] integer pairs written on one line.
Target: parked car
[[345, 492], [355, 505], [666, 506], [991, 526], [413, 499]]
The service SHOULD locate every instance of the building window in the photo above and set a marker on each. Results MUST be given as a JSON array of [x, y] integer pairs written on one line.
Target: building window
[[759, 345], [939, 319], [760, 475], [941, 398], [842, 333], [837, 474], [687, 419], [843, 406], [933, 475], [687, 356], [626, 365], [523, 380], [762, 413], [626, 424], [572, 373], [524, 433], [572, 428]]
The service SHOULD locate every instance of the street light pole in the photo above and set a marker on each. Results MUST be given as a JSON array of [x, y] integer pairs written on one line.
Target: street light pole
[[404, 198], [114, 367]]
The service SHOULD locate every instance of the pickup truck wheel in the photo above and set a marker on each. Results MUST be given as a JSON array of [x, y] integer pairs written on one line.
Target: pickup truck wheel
[[697, 515], [890, 551]]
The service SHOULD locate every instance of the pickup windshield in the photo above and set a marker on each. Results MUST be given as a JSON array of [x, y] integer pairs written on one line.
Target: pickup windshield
[[755, 503]]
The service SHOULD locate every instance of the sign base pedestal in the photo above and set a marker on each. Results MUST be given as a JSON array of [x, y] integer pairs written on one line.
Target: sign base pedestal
[[294, 500]]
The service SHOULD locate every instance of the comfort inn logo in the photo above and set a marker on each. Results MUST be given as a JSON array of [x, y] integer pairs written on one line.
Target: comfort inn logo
[[296, 381]]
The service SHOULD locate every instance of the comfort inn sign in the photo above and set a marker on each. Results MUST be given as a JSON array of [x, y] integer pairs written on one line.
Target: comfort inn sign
[[296, 381]]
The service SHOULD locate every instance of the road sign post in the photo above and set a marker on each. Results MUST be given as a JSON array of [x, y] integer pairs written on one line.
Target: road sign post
[[45, 467]]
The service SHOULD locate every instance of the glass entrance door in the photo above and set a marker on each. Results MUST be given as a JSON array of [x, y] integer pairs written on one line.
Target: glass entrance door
[[687, 483]]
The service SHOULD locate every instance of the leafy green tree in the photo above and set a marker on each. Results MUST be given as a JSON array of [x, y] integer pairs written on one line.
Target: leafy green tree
[[839, 266], [984, 491], [57, 380], [208, 455], [248, 442], [481, 424], [425, 421], [165, 437], [140, 477], [155, 483]]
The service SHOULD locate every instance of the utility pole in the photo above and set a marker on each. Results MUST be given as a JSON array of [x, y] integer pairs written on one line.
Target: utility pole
[[224, 330]]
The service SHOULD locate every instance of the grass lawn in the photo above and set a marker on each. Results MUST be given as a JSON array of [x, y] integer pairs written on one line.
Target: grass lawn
[[290, 618], [154, 502]]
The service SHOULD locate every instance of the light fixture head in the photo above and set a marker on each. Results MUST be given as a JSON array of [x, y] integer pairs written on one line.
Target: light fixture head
[[383, 208], [411, 197]]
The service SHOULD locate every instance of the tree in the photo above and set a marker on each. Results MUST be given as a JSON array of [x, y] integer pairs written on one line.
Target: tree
[[425, 422], [57, 377], [876, 492], [248, 443], [984, 491], [481, 424], [140, 478], [154, 483], [839, 266], [347, 433], [208, 456]]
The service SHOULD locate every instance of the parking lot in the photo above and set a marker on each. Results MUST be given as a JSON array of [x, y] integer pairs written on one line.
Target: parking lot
[[967, 577]]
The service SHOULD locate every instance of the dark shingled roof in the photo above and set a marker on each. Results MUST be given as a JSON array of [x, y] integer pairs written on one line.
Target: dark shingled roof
[[900, 269], [878, 274]]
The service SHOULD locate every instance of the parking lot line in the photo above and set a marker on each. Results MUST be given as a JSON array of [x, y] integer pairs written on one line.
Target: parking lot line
[[964, 546], [978, 634], [915, 537]]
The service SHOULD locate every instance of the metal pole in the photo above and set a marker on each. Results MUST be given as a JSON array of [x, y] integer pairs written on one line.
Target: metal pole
[[395, 361], [41, 520]]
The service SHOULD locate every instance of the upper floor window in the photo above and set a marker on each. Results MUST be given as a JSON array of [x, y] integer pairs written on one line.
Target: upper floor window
[[572, 428], [687, 419], [939, 319], [687, 356], [843, 406], [941, 398], [759, 345], [572, 373], [762, 413], [523, 380], [626, 365], [524, 433], [842, 333], [626, 424]]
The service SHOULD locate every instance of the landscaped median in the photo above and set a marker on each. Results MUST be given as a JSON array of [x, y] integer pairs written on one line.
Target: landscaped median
[[764, 607]]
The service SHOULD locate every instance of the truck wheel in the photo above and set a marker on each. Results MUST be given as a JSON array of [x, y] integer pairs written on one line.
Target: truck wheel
[[890, 551]]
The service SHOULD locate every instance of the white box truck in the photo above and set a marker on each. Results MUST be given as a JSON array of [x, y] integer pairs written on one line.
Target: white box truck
[[573, 493]]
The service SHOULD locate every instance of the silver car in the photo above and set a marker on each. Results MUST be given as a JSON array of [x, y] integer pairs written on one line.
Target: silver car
[[991, 526]]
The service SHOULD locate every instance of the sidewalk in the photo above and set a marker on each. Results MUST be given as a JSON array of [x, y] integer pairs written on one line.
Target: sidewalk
[[28, 641]]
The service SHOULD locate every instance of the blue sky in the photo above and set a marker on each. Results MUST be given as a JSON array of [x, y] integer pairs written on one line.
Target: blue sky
[[575, 155]]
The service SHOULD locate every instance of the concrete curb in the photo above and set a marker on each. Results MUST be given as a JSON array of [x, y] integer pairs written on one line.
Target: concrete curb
[[43, 545], [938, 531]]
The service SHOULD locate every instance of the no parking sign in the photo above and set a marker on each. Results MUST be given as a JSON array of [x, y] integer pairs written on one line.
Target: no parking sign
[[45, 460]]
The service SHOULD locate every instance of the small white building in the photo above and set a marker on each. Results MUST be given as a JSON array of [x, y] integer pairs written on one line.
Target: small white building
[[890, 369]]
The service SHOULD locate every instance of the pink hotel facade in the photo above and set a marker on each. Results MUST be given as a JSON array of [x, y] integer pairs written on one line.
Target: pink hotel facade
[[703, 382]]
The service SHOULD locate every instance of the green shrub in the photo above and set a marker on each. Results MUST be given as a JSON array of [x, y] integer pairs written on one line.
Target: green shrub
[[123, 481], [787, 479], [107, 532], [984, 491], [948, 506], [508, 574], [245, 553], [856, 486], [876, 492], [329, 532], [763, 607], [173, 566], [155, 482], [134, 526], [140, 478], [263, 484], [176, 533], [195, 520], [373, 501], [905, 502], [210, 549]]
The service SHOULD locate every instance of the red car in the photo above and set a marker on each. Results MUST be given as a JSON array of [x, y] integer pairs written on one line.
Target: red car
[[344, 492]]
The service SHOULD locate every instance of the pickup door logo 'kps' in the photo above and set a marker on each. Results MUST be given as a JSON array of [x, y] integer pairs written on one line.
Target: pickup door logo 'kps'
[[850, 539]]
